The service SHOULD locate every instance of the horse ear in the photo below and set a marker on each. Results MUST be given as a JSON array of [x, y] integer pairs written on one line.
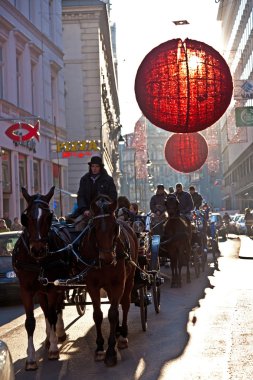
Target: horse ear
[[25, 194], [49, 195], [24, 219]]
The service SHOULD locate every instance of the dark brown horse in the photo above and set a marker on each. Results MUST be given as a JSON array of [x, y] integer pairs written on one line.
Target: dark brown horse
[[176, 242], [111, 249], [35, 264]]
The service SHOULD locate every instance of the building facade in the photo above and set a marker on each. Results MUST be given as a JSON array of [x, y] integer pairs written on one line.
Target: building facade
[[92, 106], [237, 141], [31, 93]]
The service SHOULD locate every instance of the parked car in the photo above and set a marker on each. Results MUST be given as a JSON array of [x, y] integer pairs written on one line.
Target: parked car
[[232, 223], [216, 218], [9, 284], [240, 226], [6, 364]]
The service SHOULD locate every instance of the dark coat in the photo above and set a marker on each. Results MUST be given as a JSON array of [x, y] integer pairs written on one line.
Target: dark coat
[[88, 190], [197, 199], [158, 202], [185, 202]]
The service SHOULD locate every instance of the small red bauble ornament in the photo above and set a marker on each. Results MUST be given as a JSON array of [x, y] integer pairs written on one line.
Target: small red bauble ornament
[[183, 86], [186, 152]]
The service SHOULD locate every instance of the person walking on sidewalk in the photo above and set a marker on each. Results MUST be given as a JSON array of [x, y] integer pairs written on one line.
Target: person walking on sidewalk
[[248, 217]]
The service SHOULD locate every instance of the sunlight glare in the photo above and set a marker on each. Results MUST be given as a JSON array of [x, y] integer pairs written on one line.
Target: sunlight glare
[[140, 369]]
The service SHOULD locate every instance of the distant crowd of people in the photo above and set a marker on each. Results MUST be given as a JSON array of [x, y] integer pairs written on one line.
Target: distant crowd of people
[[7, 225]]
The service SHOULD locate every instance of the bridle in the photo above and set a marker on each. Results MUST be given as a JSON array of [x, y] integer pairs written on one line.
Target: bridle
[[112, 249], [33, 212]]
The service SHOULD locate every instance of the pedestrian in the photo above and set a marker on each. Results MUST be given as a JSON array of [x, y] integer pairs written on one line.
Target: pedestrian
[[158, 201], [16, 225], [248, 217], [186, 205], [3, 226], [196, 197], [7, 219], [95, 182]]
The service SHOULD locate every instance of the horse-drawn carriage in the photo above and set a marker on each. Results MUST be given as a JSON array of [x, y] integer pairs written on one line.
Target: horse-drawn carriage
[[61, 268]]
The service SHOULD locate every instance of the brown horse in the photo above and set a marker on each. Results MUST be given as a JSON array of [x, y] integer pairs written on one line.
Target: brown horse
[[34, 263], [176, 242], [111, 248]]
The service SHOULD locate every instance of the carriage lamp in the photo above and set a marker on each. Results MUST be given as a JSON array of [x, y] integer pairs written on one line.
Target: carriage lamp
[[186, 152], [183, 86]]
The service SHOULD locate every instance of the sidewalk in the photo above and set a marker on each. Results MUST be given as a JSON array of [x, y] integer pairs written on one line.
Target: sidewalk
[[246, 249]]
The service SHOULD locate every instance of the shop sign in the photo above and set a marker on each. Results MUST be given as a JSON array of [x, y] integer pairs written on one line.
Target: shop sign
[[23, 132], [75, 149], [243, 89], [244, 116]]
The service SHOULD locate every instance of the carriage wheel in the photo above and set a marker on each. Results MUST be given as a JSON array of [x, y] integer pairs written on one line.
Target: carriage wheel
[[156, 294], [80, 300], [143, 307]]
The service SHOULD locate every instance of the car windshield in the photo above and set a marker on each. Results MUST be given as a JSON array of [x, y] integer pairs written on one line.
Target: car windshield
[[7, 243]]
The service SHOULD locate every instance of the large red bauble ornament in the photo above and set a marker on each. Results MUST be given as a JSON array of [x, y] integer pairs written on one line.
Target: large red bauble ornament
[[186, 152], [183, 86]]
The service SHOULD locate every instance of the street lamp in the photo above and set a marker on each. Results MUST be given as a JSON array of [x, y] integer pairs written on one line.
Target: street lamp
[[121, 140]]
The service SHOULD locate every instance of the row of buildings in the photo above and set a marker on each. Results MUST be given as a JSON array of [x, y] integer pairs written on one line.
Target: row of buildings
[[58, 98]]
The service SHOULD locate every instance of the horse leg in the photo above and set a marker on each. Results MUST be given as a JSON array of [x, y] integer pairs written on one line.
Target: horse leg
[[43, 301], [98, 319], [53, 351], [187, 253], [125, 304], [30, 323], [60, 329], [113, 317], [173, 265]]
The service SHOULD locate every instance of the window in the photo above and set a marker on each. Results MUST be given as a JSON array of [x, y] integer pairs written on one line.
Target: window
[[34, 88], [22, 170], [57, 175], [6, 169], [36, 176], [18, 78], [1, 72]]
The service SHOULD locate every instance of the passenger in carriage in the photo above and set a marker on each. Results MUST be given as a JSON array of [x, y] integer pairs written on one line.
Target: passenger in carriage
[[96, 181], [186, 205], [196, 197], [158, 201], [123, 208]]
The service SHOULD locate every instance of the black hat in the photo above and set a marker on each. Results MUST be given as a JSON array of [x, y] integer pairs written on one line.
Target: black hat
[[96, 160], [160, 187]]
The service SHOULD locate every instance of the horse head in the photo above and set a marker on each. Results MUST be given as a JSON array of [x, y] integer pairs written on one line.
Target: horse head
[[37, 219], [106, 228]]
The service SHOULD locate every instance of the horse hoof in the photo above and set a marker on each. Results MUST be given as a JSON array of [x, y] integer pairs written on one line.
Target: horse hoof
[[99, 356], [31, 366], [62, 338], [110, 361], [53, 355], [122, 343]]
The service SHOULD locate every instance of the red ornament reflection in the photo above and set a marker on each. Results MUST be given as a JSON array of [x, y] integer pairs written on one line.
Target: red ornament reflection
[[186, 152], [183, 86]]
